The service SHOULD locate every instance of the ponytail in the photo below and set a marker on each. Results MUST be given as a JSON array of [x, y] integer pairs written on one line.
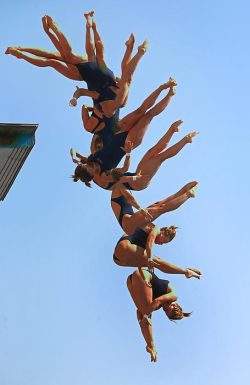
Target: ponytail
[[187, 314], [178, 314]]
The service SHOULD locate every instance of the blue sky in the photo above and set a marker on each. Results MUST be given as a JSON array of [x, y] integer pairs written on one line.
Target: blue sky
[[65, 313]]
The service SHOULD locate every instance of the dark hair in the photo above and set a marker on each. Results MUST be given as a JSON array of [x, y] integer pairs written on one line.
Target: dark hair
[[169, 231], [82, 174], [178, 313]]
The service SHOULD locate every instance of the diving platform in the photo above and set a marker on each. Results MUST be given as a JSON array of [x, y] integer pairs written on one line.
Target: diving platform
[[16, 142]]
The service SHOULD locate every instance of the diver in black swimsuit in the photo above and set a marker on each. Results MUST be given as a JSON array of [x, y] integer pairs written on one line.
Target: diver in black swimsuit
[[135, 250], [98, 120], [122, 203], [149, 294], [93, 69], [148, 165], [109, 156]]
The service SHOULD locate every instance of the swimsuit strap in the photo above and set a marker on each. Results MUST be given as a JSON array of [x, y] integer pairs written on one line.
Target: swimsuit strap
[[108, 187], [126, 184], [100, 121]]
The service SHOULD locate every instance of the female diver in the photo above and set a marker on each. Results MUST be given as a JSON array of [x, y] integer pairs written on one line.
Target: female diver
[[122, 203], [135, 250], [113, 151], [151, 293], [95, 72]]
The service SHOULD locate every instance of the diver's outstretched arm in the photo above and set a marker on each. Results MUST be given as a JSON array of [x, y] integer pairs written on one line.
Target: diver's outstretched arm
[[82, 92], [169, 268]]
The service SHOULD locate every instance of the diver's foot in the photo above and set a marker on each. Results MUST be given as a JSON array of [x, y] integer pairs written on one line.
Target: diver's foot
[[45, 23], [14, 52], [153, 353], [175, 126], [189, 186], [143, 47], [19, 48], [189, 273], [192, 192], [172, 91], [50, 22], [189, 137], [170, 83], [8, 51], [195, 270], [89, 18], [131, 40]]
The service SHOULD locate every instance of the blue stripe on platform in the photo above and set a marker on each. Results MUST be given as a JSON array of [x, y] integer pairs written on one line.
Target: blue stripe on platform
[[17, 141]]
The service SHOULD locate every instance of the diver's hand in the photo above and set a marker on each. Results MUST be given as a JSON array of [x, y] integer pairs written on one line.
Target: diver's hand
[[190, 272], [153, 353]]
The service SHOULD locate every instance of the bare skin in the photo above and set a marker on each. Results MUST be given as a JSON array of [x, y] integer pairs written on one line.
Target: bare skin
[[153, 159], [64, 60], [36, 52], [94, 48], [67, 70], [128, 53], [59, 40], [145, 216], [89, 44], [140, 116], [140, 289], [138, 130], [150, 163], [129, 254], [142, 297], [89, 18], [148, 105], [126, 59], [98, 45], [128, 67], [135, 136], [109, 107]]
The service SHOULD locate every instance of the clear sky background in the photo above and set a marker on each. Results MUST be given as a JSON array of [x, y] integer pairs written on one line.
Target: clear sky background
[[65, 314]]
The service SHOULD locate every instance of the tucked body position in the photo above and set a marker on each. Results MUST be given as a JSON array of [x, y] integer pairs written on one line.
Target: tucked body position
[[149, 294], [136, 249]]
